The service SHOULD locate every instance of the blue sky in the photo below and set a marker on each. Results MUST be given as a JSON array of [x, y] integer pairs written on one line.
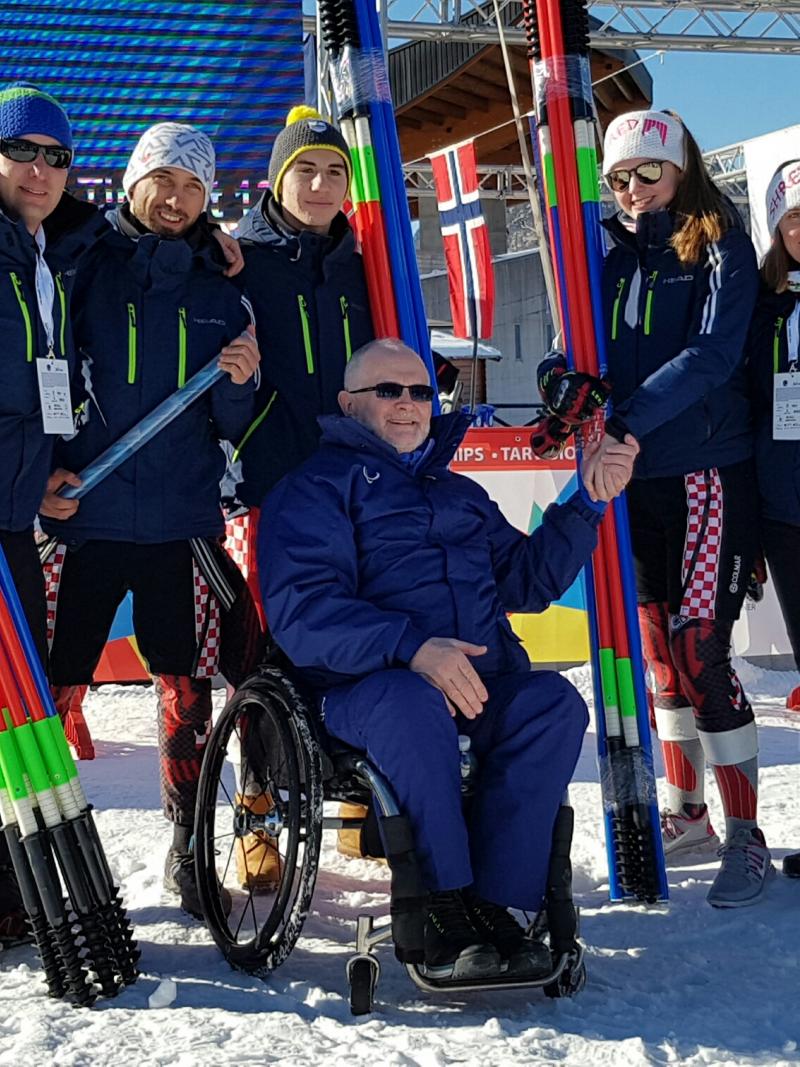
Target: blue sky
[[728, 98]]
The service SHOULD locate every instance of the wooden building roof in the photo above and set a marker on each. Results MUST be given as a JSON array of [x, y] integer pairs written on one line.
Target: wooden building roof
[[450, 91]]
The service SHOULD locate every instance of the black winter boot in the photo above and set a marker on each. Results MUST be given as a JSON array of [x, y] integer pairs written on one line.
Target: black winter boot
[[453, 948], [522, 957]]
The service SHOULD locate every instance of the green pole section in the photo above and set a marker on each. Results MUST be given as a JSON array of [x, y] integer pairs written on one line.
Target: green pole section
[[356, 186], [31, 758], [627, 691], [60, 741], [11, 766], [587, 175], [372, 189], [608, 678], [49, 750], [550, 180]]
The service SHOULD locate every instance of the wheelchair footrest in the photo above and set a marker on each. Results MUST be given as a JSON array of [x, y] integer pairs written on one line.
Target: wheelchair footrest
[[559, 982]]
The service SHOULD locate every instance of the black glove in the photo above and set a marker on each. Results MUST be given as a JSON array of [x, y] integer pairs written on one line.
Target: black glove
[[548, 435], [574, 396]]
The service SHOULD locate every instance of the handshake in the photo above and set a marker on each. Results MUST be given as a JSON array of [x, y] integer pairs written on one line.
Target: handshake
[[574, 398]]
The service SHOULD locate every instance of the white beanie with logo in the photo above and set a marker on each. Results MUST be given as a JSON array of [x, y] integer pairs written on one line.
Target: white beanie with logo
[[644, 134], [172, 144], [783, 193]]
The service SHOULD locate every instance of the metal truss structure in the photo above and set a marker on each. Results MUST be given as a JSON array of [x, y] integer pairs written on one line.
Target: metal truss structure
[[725, 165], [767, 26]]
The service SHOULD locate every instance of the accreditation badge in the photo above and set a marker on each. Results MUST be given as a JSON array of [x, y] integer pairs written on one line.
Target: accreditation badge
[[54, 396]]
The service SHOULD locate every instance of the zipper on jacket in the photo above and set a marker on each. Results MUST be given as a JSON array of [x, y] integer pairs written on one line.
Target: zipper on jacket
[[131, 344], [776, 343], [303, 305], [26, 315], [62, 302], [348, 348], [615, 309], [648, 304], [254, 425], [181, 347]]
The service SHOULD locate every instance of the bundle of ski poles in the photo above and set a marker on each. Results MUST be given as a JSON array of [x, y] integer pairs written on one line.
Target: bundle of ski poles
[[84, 940], [558, 49], [352, 37]]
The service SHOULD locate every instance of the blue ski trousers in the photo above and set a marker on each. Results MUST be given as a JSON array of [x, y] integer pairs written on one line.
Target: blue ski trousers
[[527, 741]]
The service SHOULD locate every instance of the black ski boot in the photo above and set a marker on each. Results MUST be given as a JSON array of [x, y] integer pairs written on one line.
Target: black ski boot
[[180, 877], [453, 948], [522, 957]]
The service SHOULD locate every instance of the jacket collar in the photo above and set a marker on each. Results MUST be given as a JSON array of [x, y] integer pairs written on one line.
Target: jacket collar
[[652, 230], [447, 433], [265, 225], [163, 261]]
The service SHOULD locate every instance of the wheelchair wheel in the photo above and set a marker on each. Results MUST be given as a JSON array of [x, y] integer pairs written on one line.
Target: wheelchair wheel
[[263, 746]]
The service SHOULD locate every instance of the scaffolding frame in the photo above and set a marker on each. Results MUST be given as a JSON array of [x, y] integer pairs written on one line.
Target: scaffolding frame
[[759, 26]]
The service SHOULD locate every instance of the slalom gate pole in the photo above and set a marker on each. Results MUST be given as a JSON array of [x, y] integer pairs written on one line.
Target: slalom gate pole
[[558, 43], [356, 90], [37, 817], [365, 190], [368, 18], [34, 742], [629, 665]]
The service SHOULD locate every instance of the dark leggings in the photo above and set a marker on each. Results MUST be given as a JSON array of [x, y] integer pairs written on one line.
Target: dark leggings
[[781, 542]]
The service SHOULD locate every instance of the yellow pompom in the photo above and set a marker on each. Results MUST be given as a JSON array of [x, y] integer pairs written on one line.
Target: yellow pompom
[[302, 111]]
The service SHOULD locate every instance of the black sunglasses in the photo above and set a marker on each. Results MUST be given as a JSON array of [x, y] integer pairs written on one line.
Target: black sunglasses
[[22, 151], [394, 390], [647, 173]]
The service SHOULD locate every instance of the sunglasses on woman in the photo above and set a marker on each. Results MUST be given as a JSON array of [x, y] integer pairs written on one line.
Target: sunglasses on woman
[[647, 173], [394, 390], [21, 151]]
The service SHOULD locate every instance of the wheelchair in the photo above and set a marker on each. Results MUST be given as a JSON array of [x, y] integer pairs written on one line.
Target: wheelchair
[[268, 743]]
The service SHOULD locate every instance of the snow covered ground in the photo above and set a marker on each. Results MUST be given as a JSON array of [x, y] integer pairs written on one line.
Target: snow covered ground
[[672, 984]]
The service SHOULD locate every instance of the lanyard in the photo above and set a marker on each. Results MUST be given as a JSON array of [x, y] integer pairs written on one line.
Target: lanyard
[[45, 290]]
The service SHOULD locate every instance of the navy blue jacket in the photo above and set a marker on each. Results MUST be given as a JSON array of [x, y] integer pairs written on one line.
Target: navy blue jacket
[[678, 374], [777, 462], [25, 449], [363, 557], [312, 311], [149, 313]]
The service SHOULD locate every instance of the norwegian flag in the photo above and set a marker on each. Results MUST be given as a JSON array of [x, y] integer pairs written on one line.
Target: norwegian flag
[[466, 240]]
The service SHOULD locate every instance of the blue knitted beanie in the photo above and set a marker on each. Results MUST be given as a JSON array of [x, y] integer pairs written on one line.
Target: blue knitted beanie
[[25, 109]]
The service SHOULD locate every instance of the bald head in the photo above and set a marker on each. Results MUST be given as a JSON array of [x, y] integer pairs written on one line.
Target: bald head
[[377, 353], [401, 422]]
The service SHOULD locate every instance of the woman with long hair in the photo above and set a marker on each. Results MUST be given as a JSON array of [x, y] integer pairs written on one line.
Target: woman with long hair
[[774, 360], [680, 282]]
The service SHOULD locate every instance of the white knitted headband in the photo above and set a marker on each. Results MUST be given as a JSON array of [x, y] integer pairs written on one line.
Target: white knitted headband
[[783, 193], [649, 134]]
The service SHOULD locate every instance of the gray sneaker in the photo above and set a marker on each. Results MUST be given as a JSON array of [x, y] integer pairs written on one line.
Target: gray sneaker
[[745, 870]]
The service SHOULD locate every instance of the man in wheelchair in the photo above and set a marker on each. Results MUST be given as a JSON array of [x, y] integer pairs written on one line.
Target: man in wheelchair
[[387, 579]]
